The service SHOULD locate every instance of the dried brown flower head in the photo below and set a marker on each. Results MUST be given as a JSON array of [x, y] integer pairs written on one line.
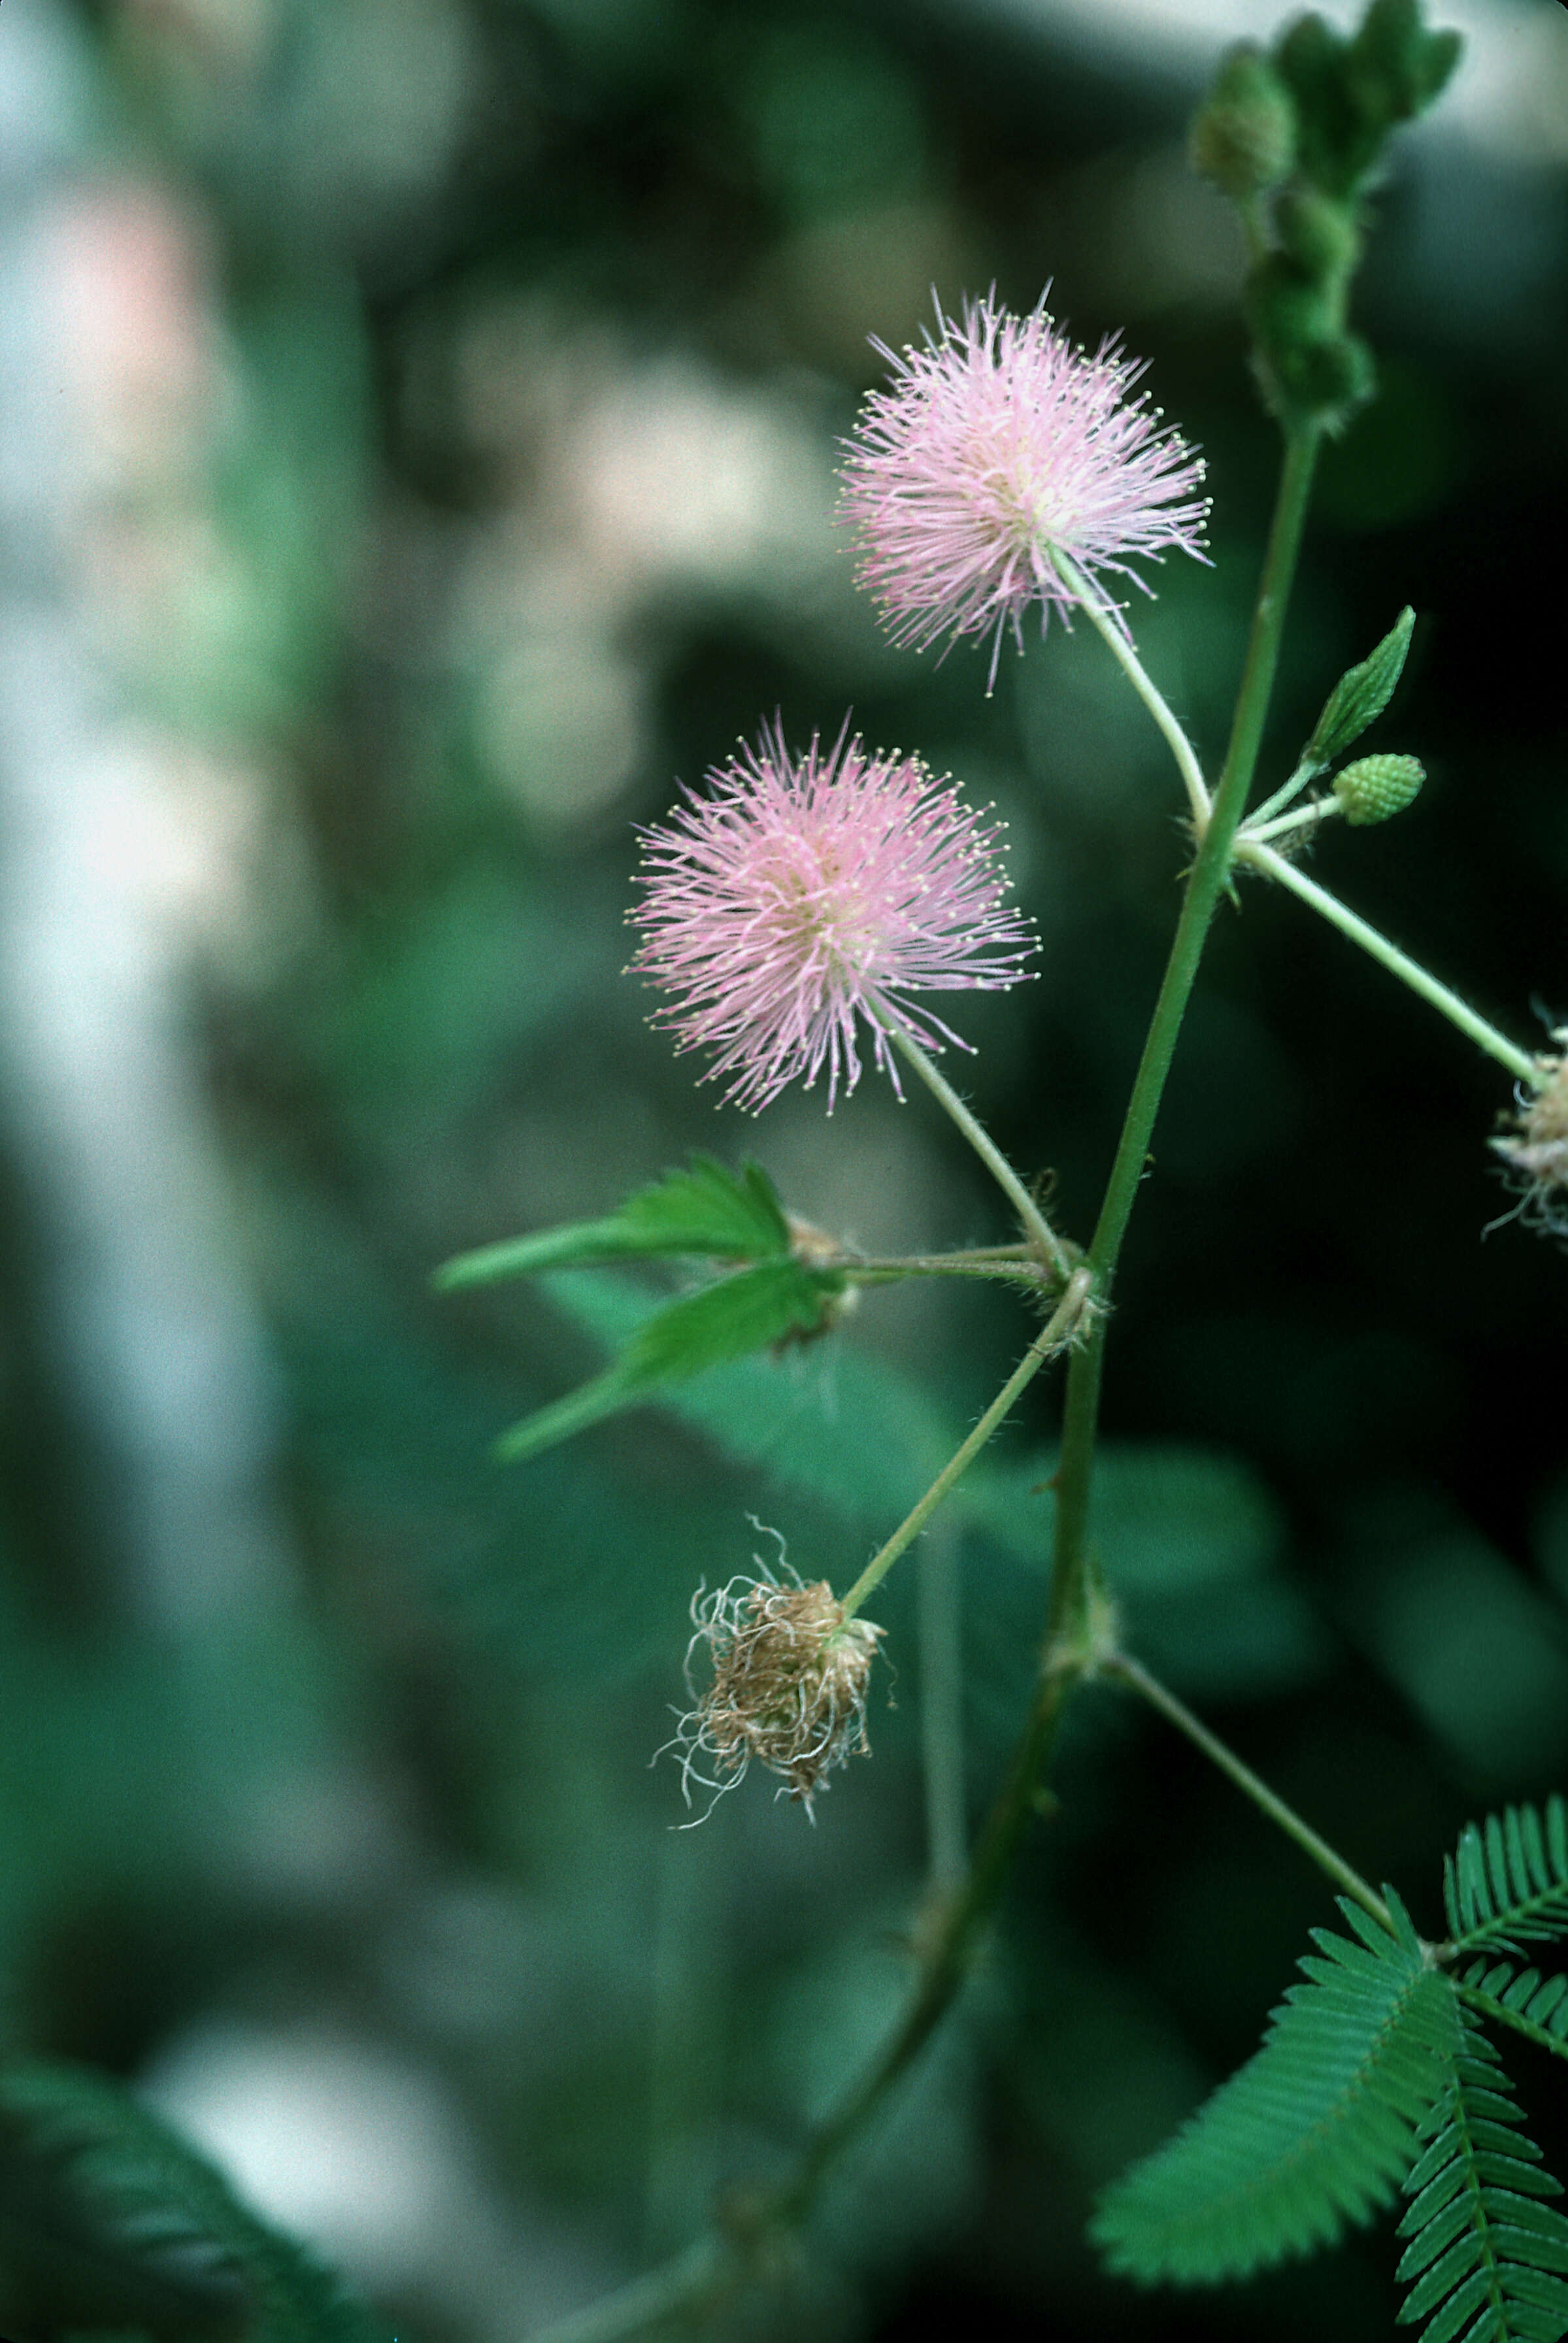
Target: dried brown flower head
[[788, 1689], [1535, 1147]]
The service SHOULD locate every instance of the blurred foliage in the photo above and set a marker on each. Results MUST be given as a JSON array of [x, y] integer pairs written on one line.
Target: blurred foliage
[[529, 325]]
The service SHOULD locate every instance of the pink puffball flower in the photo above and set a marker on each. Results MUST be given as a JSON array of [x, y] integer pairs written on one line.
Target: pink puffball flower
[[801, 895], [1001, 446]]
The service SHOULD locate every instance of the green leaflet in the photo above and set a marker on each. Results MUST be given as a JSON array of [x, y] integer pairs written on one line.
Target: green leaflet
[[1360, 696], [707, 1213], [1313, 2132], [1485, 2256], [748, 1311], [1532, 2006], [1508, 1883], [147, 2195]]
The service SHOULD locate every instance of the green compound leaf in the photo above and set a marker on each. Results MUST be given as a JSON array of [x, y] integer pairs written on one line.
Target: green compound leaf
[[1508, 1884], [1315, 2131], [1486, 2256], [707, 1213], [1535, 2007], [750, 1309], [149, 2198], [1359, 695]]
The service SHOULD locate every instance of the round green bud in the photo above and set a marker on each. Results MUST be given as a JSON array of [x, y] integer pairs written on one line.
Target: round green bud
[[1373, 788], [1243, 135]]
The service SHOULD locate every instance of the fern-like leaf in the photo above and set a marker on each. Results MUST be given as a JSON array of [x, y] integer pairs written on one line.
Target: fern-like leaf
[[1486, 2256], [1315, 2131], [1508, 1884], [1532, 2004], [151, 2196]]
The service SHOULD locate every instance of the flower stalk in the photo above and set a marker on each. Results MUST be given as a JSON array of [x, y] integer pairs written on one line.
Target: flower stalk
[[1253, 849]]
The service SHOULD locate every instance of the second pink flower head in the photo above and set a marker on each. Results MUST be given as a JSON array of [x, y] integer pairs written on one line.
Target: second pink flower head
[[803, 895]]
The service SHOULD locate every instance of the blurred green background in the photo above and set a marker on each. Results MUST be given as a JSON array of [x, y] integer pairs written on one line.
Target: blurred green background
[[417, 424]]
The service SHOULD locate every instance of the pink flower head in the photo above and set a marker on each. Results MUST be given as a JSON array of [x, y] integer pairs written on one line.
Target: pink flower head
[[802, 894], [999, 447]]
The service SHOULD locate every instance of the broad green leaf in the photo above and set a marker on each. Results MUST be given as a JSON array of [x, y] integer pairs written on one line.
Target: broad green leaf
[[852, 1432], [1190, 1538], [707, 1212], [1359, 695], [750, 1309]]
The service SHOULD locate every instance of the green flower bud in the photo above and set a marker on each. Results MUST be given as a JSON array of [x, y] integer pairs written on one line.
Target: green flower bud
[[1397, 66], [1320, 235], [1243, 137], [1373, 788]]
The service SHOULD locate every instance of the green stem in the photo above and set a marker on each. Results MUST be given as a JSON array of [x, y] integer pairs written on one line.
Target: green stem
[[1283, 796], [1127, 658], [949, 1952], [1017, 1263], [1409, 971], [989, 1153], [1499, 2012], [1057, 1330], [705, 2271], [1204, 885], [1254, 831], [1128, 1670]]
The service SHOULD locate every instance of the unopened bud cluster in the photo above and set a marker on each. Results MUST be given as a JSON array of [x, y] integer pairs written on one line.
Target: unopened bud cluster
[[1300, 129], [789, 1685], [1536, 1146]]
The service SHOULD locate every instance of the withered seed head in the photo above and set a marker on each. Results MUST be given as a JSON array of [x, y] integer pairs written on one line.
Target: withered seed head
[[789, 1685], [1535, 1146]]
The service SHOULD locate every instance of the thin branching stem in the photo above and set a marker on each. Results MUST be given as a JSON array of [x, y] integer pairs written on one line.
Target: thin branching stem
[[1057, 1330], [1127, 658], [1121, 1667], [1388, 955], [1052, 1246], [1301, 817], [1205, 884]]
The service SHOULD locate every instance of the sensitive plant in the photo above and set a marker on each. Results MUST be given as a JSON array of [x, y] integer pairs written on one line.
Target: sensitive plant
[[796, 912], [801, 900]]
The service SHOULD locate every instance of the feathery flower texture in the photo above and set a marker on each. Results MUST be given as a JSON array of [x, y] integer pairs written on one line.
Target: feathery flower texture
[[803, 895], [1000, 446]]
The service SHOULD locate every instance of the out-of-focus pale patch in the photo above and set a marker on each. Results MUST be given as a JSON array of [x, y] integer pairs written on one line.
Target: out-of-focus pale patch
[[844, 278], [1147, 231], [562, 722], [634, 485], [364, 2156], [673, 473], [337, 2141], [232, 38]]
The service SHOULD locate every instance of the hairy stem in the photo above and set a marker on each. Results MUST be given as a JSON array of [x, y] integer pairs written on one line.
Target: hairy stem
[[1050, 1245], [1388, 955], [950, 1950], [1204, 884], [1127, 658], [1299, 817], [1128, 1671], [1057, 1330], [1284, 795]]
